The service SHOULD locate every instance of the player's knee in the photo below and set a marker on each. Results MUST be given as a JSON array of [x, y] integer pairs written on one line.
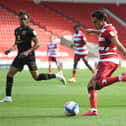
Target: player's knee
[[93, 85], [97, 87], [10, 74], [90, 88], [35, 78]]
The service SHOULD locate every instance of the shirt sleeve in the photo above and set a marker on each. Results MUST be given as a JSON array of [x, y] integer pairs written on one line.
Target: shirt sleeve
[[111, 34], [33, 33]]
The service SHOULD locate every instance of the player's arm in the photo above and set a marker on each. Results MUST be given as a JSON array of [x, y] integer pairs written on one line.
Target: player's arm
[[35, 45], [93, 31], [72, 43], [119, 45], [47, 50], [14, 46], [57, 48], [84, 40]]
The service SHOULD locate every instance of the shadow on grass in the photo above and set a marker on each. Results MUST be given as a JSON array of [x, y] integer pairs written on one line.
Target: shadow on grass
[[112, 106], [34, 116]]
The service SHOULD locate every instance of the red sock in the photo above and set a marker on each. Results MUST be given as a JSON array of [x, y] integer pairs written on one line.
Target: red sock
[[107, 81], [74, 73], [59, 66], [50, 69], [93, 98]]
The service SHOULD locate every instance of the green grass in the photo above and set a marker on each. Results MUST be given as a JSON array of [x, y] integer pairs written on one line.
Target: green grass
[[41, 103]]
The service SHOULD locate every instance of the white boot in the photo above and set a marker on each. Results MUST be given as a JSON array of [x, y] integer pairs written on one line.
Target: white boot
[[7, 99], [61, 78]]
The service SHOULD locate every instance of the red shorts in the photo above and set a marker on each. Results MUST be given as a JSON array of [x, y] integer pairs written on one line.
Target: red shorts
[[104, 69], [53, 59], [78, 57]]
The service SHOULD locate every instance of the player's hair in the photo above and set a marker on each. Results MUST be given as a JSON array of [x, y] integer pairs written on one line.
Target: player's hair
[[22, 13], [77, 26], [100, 15]]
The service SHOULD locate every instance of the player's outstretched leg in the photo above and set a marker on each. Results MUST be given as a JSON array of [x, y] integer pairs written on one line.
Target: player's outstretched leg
[[93, 94], [44, 76], [122, 77]]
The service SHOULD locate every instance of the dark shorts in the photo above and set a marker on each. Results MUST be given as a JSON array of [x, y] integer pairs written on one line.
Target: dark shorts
[[29, 61]]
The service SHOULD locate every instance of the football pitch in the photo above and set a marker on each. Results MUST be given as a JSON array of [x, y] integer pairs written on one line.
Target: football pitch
[[41, 103]]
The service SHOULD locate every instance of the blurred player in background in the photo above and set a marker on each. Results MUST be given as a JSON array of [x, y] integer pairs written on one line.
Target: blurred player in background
[[81, 51], [52, 50], [108, 62], [24, 36]]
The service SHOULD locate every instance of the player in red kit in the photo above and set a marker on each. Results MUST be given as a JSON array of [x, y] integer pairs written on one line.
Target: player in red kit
[[108, 44], [81, 51], [52, 49]]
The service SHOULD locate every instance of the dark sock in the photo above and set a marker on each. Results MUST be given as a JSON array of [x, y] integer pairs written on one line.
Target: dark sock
[[9, 84], [50, 76], [46, 76]]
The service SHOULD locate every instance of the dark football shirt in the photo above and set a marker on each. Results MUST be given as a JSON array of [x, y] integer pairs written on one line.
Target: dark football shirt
[[24, 36]]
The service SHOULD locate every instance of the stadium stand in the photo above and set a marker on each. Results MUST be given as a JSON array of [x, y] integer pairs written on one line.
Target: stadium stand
[[9, 22], [8, 25], [44, 18], [53, 17], [118, 10], [81, 12], [40, 15]]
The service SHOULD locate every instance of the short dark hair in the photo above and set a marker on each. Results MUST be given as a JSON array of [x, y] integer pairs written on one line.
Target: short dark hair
[[100, 15], [77, 26], [22, 13]]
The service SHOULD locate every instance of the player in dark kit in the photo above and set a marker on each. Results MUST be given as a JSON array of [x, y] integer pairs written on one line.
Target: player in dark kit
[[25, 35]]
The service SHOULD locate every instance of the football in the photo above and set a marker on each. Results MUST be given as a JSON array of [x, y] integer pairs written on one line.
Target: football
[[71, 108]]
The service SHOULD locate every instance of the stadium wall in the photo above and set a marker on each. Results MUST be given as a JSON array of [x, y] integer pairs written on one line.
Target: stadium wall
[[86, 1]]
